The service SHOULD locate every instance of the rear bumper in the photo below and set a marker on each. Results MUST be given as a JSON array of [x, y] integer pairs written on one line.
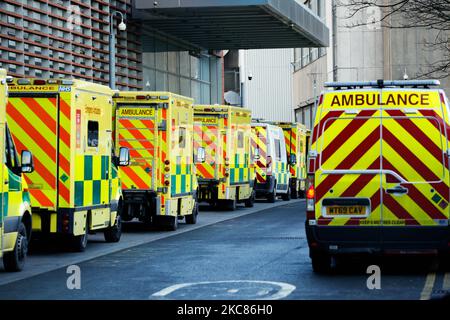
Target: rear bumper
[[352, 239]]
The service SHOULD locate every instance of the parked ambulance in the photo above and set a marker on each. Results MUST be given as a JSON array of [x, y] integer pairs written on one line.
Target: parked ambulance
[[15, 208], [75, 189], [159, 186], [271, 162], [222, 150], [379, 171], [295, 136]]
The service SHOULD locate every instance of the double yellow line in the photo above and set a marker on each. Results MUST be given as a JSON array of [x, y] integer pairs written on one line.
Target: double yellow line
[[430, 282]]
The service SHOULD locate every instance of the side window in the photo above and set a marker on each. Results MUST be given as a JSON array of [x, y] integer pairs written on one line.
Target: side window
[[92, 134], [182, 138], [11, 157], [277, 146], [240, 139]]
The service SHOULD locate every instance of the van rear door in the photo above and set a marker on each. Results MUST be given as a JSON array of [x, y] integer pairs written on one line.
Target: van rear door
[[34, 122], [207, 142], [136, 130], [347, 137], [415, 166]]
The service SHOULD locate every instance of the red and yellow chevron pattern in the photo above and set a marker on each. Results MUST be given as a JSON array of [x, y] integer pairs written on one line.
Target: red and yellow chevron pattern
[[52, 168], [380, 149]]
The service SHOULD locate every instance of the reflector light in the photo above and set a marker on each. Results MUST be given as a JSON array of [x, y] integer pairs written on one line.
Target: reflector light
[[167, 162], [167, 182], [310, 194]]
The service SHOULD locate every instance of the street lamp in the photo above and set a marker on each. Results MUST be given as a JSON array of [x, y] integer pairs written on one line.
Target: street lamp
[[112, 47]]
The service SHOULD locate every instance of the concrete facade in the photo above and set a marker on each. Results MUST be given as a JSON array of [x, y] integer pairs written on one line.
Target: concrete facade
[[269, 93]]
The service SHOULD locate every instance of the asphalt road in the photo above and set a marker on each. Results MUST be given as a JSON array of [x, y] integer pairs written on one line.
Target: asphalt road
[[262, 255]]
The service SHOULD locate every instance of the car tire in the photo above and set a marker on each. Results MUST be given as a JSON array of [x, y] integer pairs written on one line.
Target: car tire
[[250, 202], [15, 260], [79, 243], [113, 234], [321, 263], [287, 195], [192, 218]]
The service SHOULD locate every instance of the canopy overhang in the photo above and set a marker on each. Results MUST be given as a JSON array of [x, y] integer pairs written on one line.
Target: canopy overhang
[[233, 24]]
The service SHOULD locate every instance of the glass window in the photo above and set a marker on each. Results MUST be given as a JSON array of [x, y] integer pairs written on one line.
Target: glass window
[[277, 145], [93, 134], [240, 139], [182, 138]]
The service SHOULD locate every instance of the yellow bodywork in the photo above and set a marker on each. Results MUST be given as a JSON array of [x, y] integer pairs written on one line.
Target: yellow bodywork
[[15, 200], [66, 124], [157, 129], [224, 167]]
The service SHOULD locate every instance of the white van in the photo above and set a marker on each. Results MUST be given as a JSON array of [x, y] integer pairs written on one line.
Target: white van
[[270, 161]]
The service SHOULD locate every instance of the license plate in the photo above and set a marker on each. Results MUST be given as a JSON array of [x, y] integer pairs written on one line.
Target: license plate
[[346, 211]]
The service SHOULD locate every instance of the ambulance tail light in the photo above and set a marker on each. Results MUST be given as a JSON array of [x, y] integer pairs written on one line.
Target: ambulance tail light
[[65, 223], [310, 198]]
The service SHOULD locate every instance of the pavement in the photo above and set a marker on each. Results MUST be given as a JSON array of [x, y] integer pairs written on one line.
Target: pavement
[[248, 254]]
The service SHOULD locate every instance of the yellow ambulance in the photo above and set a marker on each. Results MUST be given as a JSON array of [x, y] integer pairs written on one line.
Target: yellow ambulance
[[222, 153], [295, 135], [271, 163], [75, 188], [159, 186], [379, 171], [15, 214]]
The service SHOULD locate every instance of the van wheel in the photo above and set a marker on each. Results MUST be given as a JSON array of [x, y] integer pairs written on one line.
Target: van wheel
[[192, 218], [287, 195], [169, 223], [79, 243], [321, 262], [294, 194], [113, 234], [272, 196], [250, 202], [15, 260], [231, 205]]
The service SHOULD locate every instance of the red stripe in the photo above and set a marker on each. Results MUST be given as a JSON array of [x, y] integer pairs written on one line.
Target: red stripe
[[135, 178], [37, 109], [38, 166], [346, 134], [205, 174], [413, 160], [418, 197], [398, 210], [418, 134], [362, 181], [65, 108], [260, 178], [144, 142], [41, 198], [325, 120], [32, 132], [348, 162], [64, 192], [133, 153]]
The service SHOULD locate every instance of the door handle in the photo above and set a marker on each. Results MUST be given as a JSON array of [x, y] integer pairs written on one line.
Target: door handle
[[6, 182], [397, 190]]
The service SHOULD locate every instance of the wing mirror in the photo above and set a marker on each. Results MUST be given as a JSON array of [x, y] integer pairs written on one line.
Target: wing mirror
[[124, 157], [201, 155], [27, 162]]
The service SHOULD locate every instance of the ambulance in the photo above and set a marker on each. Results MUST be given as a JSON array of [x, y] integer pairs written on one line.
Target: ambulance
[[378, 179], [15, 208], [75, 189], [222, 153], [159, 186], [271, 163], [295, 135]]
